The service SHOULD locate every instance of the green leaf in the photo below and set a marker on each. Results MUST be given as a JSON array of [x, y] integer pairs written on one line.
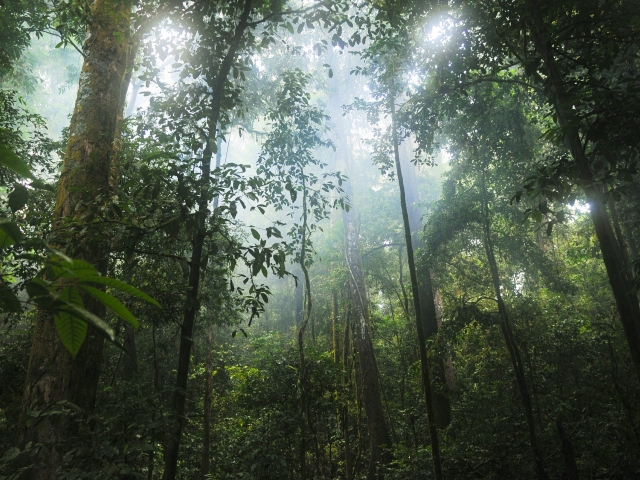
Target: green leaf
[[9, 233], [18, 198], [125, 287], [255, 234], [71, 329], [330, 73], [10, 160], [69, 268], [41, 185], [537, 215], [91, 318], [8, 300], [113, 303]]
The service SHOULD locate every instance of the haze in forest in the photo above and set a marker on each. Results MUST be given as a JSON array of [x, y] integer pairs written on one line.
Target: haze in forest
[[337, 240]]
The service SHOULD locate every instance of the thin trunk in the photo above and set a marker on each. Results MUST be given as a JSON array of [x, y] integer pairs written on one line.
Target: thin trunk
[[208, 385], [405, 297], [304, 413], [507, 333], [450, 377], [208, 368], [619, 235], [368, 371], [347, 365], [152, 451], [368, 380], [429, 320], [424, 362], [617, 268], [191, 304], [130, 359], [53, 375], [299, 300], [334, 326]]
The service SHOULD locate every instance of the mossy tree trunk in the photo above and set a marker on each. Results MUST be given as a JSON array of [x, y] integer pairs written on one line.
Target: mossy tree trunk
[[53, 375]]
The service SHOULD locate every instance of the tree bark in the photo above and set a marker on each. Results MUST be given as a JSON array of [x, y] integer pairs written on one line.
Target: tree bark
[[208, 386], [424, 361], [53, 375], [625, 297], [191, 306]]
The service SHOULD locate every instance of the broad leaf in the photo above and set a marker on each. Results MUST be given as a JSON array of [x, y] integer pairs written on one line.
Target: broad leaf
[[125, 287], [10, 160], [68, 268], [9, 233], [71, 328], [18, 198], [8, 300], [102, 326], [113, 303]]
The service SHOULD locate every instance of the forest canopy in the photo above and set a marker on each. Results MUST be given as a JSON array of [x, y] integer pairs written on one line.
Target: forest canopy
[[262, 239]]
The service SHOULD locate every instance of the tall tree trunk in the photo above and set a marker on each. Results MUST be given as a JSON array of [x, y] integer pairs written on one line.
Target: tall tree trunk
[[428, 312], [424, 362], [208, 387], [191, 303], [334, 326], [130, 360], [53, 375], [304, 401], [347, 365], [299, 299], [617, 268], [507, 333], [369, 383], [368, 372]]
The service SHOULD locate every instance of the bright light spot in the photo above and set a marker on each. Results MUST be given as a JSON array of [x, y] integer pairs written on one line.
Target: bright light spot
[[438, 33], [579, 207], [518, 282]]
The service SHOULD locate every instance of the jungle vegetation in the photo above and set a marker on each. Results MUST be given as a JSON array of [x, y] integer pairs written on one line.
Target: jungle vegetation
[[273, 239]]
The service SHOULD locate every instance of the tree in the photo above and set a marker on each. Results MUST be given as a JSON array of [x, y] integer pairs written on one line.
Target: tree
[[54, 375]]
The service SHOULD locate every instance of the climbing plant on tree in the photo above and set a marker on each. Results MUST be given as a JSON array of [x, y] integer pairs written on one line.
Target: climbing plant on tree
[[291, 169]]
